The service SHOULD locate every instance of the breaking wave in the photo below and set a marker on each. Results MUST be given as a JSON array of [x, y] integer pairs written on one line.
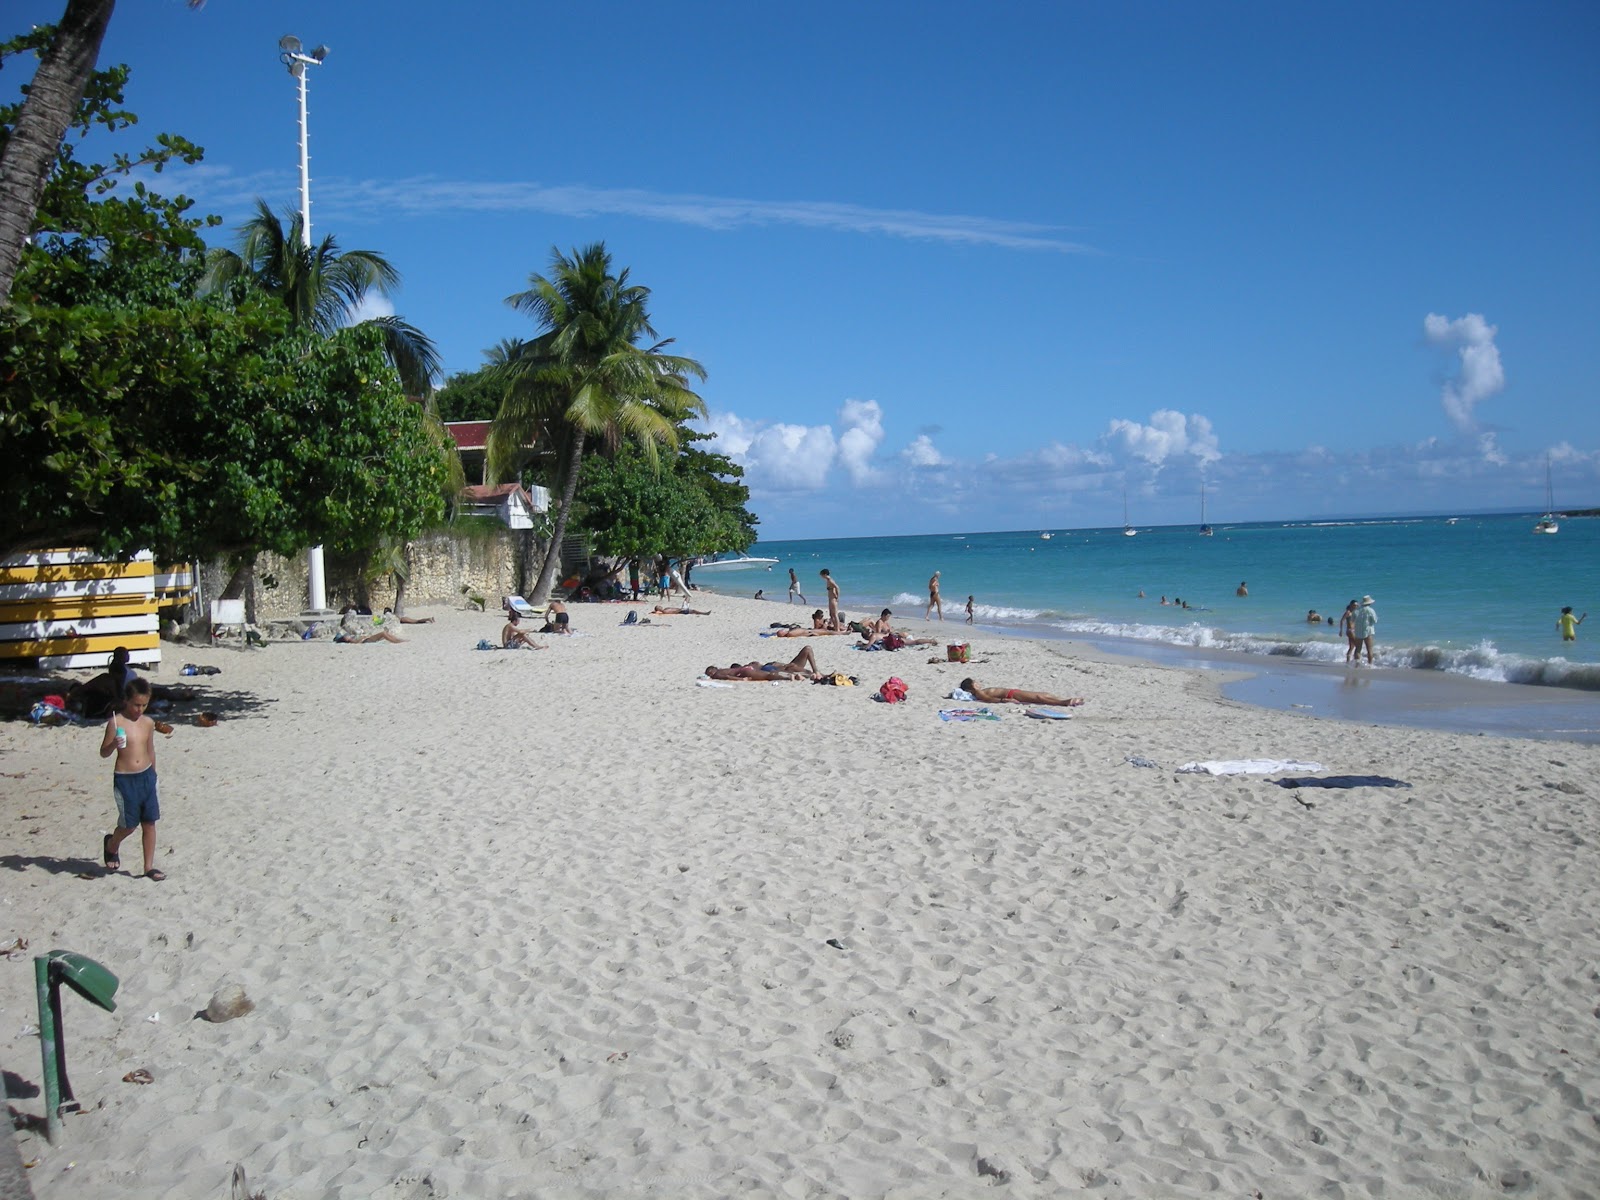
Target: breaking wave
[[1481, 661]]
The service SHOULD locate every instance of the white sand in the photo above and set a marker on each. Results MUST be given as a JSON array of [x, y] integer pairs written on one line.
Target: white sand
[[558, 924]]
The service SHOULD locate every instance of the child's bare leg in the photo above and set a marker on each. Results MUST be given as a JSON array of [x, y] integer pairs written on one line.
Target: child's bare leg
[[113, 840], [148, 837]]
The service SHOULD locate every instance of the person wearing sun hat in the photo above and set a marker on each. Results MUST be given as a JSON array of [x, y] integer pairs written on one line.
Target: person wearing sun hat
[[1365, 625]]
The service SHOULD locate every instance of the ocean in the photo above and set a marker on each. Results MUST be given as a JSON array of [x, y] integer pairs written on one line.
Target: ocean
[[1474, 595]]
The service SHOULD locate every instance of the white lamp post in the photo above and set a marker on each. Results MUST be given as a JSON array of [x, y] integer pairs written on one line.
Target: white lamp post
[[290, 55]]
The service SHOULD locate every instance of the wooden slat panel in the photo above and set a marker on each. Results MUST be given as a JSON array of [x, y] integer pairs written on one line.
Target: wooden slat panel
[[56, 558], [81, 606], [50, 629], [140, 658], [71, 572], [80, 645], [72, 589]]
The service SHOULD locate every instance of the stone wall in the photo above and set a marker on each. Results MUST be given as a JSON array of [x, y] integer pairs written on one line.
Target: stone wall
[[447, 566]]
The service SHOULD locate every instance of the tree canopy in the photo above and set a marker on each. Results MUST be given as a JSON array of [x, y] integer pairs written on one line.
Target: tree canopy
[[685, 504], [134, 415], [589, 374]]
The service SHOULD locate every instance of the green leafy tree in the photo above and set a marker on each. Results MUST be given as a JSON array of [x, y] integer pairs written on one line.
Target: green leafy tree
[[587, 377], [133, 415], [322, 287], [66, 52], [197, 430], [469, 396]]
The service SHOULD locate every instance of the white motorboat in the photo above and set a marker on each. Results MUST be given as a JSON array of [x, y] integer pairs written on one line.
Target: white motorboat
[[1548, 523], [738, 562]]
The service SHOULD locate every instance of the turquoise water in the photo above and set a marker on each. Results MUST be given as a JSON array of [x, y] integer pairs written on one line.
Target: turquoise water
[[1474, 595]]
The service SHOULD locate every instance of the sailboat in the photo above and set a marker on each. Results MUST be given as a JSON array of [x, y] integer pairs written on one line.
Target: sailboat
[[1205, 530], [1547, 523], [1127, 530]]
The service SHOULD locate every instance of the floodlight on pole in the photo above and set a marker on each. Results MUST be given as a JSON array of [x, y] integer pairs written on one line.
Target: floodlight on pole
[[290, 55]]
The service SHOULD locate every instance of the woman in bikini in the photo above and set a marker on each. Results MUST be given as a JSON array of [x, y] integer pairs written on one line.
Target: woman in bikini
[[1016, 695]]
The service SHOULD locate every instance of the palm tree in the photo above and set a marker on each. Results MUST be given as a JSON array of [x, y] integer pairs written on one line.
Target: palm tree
[[323, 287], [586, 377], [53, 95]]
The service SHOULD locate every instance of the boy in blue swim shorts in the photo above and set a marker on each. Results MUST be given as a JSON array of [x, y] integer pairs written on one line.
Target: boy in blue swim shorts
[[131, 736]]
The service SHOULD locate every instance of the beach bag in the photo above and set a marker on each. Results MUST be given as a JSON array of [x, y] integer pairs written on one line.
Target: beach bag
[[632, 618], [893, 691], [957, 652], [892, 641]]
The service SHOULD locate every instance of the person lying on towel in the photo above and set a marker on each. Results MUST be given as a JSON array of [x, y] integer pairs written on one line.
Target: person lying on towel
[[998, 695]]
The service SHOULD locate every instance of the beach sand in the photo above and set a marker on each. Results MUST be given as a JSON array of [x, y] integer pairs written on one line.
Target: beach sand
[[565, 924]]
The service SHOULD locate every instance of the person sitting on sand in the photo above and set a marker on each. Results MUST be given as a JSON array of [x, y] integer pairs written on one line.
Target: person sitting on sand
[[100, 695], [996, 695], [686, 612], [801, 666], [880, 634], [351, 631], [514, 637]]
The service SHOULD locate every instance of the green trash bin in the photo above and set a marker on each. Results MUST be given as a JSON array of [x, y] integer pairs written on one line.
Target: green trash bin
[[95, 984]]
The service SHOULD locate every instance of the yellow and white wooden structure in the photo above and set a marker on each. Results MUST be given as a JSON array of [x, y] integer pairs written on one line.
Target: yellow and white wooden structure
[[71, 608]]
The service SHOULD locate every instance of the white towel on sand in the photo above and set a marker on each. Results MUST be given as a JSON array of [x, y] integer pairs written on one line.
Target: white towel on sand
[[1249, 766]]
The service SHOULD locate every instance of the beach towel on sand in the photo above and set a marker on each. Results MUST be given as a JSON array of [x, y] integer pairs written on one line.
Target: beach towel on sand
[[1247, 766], [1343, 781], [967, 714]]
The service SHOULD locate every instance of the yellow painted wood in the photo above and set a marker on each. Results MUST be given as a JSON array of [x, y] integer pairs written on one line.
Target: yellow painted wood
[[79, 645], [71, 572]]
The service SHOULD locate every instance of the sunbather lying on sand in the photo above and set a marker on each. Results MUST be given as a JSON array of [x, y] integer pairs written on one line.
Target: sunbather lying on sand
[[1016, 695], [687, 612], [353, 632], [801, 666]]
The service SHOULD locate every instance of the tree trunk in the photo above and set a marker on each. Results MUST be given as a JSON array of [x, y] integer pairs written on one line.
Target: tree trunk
[[52, 101], [552, 559]]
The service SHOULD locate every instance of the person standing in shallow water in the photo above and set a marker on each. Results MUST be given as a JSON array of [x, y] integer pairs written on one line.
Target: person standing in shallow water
[[1241, 590], [1347, 627], [934, 602], [1568, 624], [1365, 626]]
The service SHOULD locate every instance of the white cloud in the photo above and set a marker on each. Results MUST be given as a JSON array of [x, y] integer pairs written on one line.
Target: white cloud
[[1481, 374], [792, 456], [1168, 435], [863, 430], [372, 305], [220, 186], [923, 453], [1489, 448]]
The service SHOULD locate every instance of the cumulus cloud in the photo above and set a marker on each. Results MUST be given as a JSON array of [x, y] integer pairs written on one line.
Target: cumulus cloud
[[863, 431], [923, 453], [372, 305], [1489, 448], [788, 457], [1481, 375], [1168, 435]]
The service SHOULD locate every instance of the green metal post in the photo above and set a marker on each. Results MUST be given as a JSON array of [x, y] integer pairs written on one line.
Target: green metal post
[[47, 1047]]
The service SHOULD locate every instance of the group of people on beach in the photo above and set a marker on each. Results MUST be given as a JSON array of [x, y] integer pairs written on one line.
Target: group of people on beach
[[836, 623]]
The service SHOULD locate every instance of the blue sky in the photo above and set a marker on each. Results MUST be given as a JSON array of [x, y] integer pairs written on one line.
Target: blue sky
[[955, 267]]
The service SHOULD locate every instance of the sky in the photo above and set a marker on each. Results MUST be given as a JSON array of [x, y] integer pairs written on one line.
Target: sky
[[955, 268]]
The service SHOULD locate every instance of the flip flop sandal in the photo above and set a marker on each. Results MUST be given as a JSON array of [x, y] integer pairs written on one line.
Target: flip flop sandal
[[156, 875], [139, 1076], [109, 856]]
